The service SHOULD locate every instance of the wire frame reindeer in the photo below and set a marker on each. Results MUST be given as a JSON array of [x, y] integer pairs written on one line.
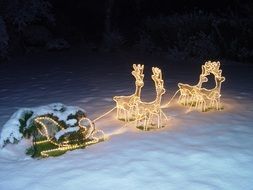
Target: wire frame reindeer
[[187, 91], [126, 104], [202, 98], [209, 98], [148, 110]]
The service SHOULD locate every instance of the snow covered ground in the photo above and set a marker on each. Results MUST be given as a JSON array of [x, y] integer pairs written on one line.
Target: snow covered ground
[[195, 151]]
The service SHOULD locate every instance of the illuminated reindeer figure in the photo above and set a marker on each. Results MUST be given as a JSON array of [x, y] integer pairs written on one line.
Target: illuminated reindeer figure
[[215, 95], [146, 110], [209, 98], [186, 90], [196, 96], [126, 104]]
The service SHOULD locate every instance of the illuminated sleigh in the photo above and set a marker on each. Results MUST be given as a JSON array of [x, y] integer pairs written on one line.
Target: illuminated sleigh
[[68, 138], [201, 98]]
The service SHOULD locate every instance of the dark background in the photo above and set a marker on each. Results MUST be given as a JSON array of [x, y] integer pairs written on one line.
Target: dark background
[[188, 28]]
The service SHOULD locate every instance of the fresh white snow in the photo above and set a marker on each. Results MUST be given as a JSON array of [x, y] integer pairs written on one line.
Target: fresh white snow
[[206, 151]]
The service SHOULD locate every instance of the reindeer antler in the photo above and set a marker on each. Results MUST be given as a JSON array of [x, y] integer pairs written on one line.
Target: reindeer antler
[[204, 71], [157, 77], [138, 72], [212, 67]]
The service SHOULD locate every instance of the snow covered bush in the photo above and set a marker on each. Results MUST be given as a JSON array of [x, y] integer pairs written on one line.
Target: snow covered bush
[[4, 39], [21, 121]]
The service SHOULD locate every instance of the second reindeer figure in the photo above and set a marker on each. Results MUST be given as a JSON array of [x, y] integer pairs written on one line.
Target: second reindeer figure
[[148, 110]]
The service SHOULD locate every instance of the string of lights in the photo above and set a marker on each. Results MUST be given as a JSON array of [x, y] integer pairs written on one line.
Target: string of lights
[[103, 115]]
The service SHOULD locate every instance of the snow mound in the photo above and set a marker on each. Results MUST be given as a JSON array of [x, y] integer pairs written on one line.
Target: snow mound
[[11, 129]]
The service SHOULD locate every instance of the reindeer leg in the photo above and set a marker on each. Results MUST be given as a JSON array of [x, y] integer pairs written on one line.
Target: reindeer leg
[[148, 120], [188, 100], [120, 113], [145, 123], [203, 106], [218, 107], [137, 122], [196, 104], [164, 115], [192, 101], [180, 99], [151, 119], [117, 113], [158, 119], [127, 116], [125, 113]]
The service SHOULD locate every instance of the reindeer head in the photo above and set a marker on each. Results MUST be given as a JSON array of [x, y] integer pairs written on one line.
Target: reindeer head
[[212, 67], [157, 78], [219, 79], [138, 74], [203, 78]]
